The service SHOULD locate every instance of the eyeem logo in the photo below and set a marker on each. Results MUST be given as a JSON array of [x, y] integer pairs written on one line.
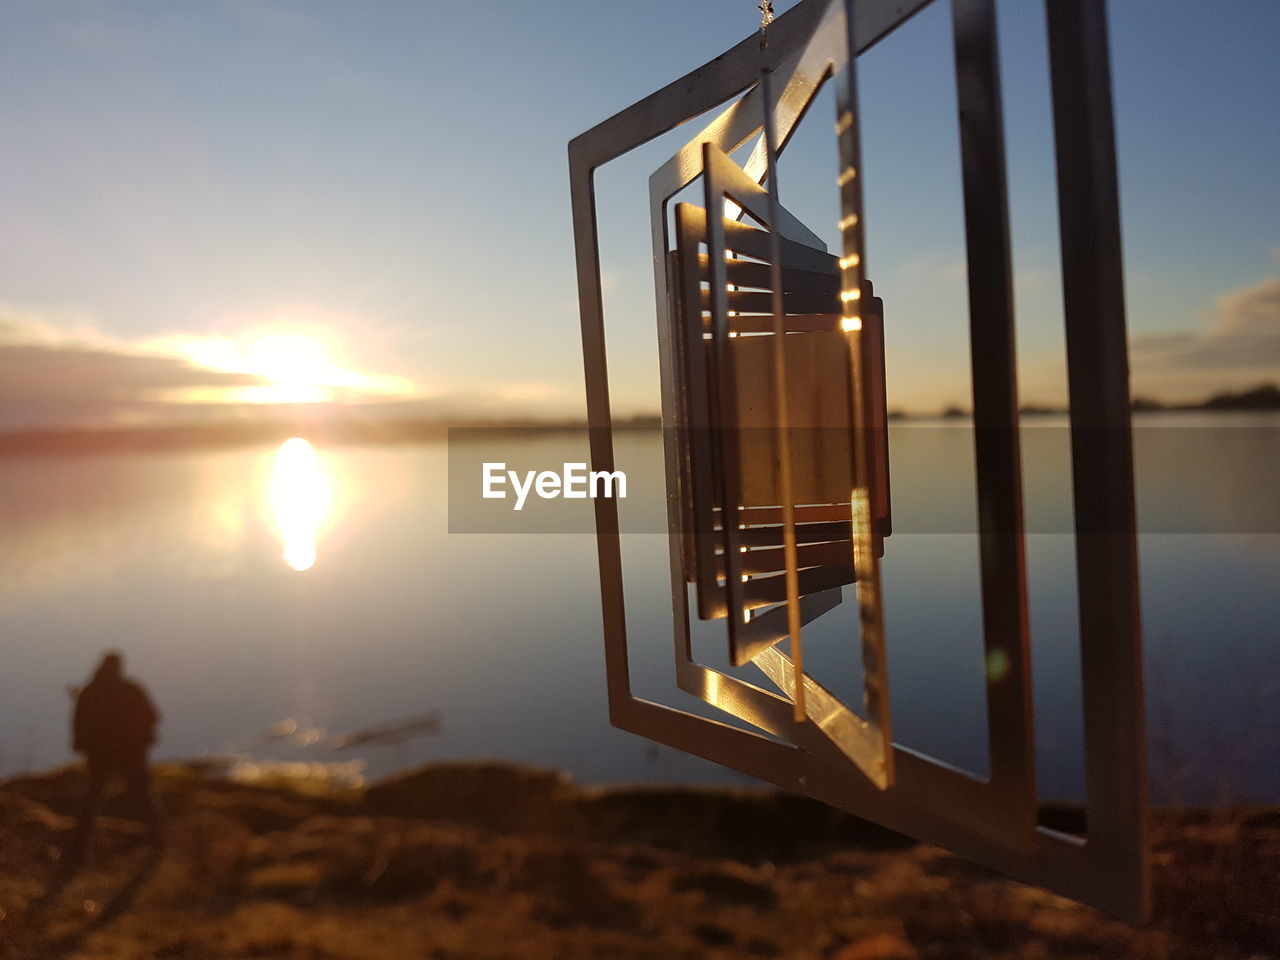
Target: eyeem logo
[[574, 482]]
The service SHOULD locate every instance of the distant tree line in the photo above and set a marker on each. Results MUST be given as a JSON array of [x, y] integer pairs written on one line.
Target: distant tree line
[[1264, 397]]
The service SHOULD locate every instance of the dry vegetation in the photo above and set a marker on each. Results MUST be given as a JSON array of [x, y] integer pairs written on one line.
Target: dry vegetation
[[489, 861]]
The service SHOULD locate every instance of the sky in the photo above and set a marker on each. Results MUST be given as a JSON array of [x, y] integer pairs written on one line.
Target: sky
[[214, 204]]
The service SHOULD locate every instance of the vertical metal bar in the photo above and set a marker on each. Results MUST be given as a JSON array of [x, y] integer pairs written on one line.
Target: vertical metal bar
[[852, 270], [724, 392], [874, 356], [701, 477], [600, 426], [1010, 729], [780, 385], [676, 442], [1101, 444]]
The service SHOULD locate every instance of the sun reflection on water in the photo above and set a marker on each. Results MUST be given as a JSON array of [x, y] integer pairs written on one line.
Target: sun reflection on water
[[300, 497]]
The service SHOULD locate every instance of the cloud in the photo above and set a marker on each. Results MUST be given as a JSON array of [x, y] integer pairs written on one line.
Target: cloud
[[1241, 348], [1246, 333], [47, 371], [40, 372]]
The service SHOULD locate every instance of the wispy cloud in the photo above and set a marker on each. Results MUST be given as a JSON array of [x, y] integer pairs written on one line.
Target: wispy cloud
[[1241, 348], [41, 363], [58, 368]]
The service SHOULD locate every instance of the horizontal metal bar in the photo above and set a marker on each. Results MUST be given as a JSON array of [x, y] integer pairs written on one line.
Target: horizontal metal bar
[[771, 560], [754, 302], [759, 591], [749, 273]]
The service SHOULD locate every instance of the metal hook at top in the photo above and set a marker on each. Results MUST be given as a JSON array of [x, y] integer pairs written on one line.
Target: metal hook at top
[[766, 18]]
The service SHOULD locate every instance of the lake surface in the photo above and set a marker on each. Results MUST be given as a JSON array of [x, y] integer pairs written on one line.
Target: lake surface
[[321, 587]]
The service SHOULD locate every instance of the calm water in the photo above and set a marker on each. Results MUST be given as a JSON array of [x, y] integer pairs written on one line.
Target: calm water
[[253, 586]]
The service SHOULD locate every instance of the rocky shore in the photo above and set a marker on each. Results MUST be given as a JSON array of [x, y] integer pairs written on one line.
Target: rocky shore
[[494, 861]]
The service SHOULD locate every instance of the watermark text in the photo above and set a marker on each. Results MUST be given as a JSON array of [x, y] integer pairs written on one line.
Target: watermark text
[[573, 482]]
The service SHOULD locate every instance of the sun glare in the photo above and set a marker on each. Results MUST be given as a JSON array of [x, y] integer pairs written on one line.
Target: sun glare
[[295, 365], [300, 499], [299, 367]]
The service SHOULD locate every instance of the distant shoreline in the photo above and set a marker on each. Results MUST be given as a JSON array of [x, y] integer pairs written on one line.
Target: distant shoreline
[[353, 427]]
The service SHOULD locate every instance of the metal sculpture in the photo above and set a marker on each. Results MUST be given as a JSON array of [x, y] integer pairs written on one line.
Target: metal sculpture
[[776, 450]]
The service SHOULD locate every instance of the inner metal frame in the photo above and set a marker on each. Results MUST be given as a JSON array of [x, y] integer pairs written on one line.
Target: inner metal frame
[[864, 741], [991, 821]]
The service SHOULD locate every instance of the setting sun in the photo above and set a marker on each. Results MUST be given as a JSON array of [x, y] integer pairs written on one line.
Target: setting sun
[[295, 365], [299, 367]]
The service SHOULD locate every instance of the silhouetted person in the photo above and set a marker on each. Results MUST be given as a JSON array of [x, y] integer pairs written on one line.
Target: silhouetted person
[[114, 727]]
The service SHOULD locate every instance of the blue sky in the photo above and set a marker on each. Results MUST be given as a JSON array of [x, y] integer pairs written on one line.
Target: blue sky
[[390, 177]]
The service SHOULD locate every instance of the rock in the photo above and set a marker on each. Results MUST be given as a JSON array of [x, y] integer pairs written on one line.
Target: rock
[[880, 946], [256, 812], [730, 886], [494, 796]]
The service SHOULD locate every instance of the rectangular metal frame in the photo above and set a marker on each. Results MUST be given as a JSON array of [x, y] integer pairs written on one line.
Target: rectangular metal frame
[[992, 822]]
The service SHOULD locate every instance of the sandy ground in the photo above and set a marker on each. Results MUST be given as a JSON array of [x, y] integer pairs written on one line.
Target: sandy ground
[[491, 861]]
